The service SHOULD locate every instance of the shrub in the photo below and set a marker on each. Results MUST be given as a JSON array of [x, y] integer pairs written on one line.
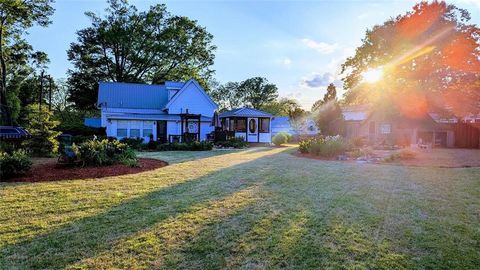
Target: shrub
[[191, 146], [357, 141], [279, 139], [41, 126], [235, 142], [287, 135], [13, 164], [134, 143], [325, 147], [103, 153]]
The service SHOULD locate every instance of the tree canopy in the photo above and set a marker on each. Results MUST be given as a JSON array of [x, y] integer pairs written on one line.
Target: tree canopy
[[331, 94], [132, 46], [429, 59], [254, 92], [17, 58]]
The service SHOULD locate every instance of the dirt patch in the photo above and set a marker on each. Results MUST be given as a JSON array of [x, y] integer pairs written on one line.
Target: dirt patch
[[49, 171]]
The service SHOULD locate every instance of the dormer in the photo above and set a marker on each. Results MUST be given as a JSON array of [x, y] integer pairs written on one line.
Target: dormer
[[173, 88]]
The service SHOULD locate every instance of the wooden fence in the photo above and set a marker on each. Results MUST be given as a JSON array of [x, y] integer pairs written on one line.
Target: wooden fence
[[467, 135]]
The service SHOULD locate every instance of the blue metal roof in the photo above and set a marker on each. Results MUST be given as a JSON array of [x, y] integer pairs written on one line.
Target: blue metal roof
[[132, 95], [245, 112], [93, 122], [174, 85]]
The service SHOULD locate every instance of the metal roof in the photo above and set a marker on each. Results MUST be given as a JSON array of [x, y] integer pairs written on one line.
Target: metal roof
[[95, 122], [139, 116], [174, 85], [245, 112], [132, 95]]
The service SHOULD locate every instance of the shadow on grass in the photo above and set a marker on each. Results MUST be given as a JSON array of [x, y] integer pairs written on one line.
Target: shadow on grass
[[92, 235]]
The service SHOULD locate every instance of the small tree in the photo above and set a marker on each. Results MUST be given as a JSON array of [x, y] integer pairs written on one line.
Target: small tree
[[41, 126], [329, 119]]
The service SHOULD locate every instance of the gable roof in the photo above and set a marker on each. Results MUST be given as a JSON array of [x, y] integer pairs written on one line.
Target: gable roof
[[132, 95], [183, 89], [245, 112]]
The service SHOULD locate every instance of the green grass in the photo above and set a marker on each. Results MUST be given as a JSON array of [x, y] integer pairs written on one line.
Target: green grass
[[255, 208]]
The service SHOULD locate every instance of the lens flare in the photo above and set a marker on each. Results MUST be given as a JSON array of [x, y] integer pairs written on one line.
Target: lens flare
[[372, 75]]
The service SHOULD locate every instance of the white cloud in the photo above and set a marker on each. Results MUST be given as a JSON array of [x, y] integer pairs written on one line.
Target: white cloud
[[286, 61], [321, 47]]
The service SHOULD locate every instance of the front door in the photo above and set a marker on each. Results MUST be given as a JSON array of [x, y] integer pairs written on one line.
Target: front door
[[252, 130], [162, 131]]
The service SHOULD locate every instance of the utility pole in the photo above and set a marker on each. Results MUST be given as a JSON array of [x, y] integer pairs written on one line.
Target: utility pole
[[41, 91], [50, 82]]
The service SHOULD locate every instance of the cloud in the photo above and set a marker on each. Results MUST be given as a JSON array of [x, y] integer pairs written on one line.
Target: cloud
[[321, 47], [286, 61], [322, 80], [319, 80]]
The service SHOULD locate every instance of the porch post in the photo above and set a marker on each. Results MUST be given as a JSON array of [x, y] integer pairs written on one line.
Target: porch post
[[199, 125]]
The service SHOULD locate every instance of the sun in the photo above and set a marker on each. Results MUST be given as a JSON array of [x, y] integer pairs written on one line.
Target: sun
[[372, 75]]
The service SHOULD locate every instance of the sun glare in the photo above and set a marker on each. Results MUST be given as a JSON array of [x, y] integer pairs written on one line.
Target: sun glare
[[372, 75]]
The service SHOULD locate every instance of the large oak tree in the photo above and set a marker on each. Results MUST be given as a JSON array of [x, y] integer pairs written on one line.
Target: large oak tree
[[15, 53], [127, 45], [430, 59]]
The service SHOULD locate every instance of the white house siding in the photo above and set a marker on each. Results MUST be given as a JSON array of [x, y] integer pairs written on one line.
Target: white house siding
[[194, 100], [132, 127]]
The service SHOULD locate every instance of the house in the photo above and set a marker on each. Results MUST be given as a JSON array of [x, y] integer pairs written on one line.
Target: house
[[251, 124], [281, 124], [376, 127], [303, 127], [170, 112]]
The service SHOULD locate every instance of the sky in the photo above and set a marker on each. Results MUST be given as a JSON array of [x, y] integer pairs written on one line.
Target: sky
[[297, 45]]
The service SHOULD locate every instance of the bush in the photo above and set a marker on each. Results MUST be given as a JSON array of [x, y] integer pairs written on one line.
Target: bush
[[103, 153], [236, 142], [279, 139], [404, 154], [134, 143], [288, 135], [358, 141], [329, 146], [42, 128], [191, 146], [77, 129], [14, 164]]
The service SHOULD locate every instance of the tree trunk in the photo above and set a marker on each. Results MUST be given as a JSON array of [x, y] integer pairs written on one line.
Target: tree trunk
[[5, 109]]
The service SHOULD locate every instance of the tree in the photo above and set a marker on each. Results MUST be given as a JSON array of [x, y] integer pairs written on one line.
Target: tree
[[256, 92], [224, 95], [430, 60], [282, 107], [42, 128], [131, 46], [329, 118], [331, 94], [15, 18]]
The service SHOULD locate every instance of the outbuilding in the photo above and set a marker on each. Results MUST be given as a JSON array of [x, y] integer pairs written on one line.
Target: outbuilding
[[252, 124]]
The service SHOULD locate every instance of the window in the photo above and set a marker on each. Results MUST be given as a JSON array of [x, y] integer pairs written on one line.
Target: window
[[121, 132], [264, 125], [385, 128], [240, 125], [252, 126], [135, 129], [135, 133], [122, 127], [231, 126], [147, 128]]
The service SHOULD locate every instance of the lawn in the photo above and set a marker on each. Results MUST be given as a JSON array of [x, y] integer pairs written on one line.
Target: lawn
[[256, 208]]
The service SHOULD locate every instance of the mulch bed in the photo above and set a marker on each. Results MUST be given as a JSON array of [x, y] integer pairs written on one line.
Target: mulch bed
[[53, 172]]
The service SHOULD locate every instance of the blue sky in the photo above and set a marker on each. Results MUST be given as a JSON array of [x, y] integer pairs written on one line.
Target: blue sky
[[298, 45]]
